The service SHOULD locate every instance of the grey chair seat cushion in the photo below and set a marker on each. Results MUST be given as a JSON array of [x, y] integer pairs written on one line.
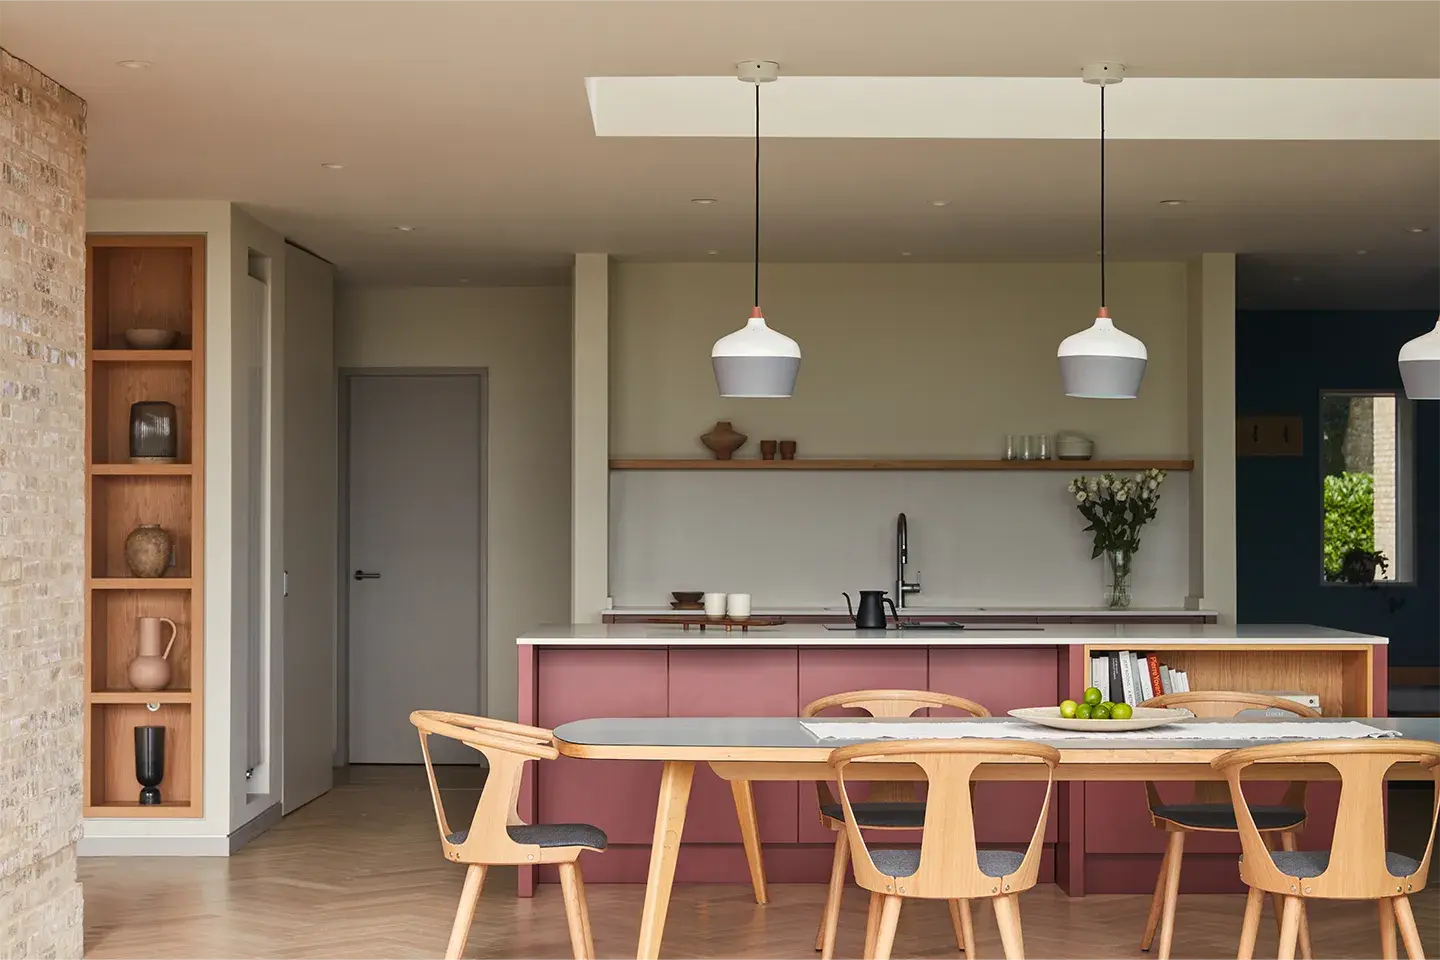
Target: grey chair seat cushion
[[550, 835], [1221, 816], [1312, 863], [904, 863], [892, 814]]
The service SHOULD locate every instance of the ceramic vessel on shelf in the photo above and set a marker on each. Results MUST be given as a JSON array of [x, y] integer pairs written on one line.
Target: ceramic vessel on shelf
[[154, 437], [1118, 569], [723, 440], [150, 763], [767, 449], [787, 449], [151, 338], [150, 670], [148, 549], [1072, 446]]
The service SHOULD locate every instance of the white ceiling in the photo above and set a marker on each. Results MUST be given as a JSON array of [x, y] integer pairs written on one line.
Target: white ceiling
[[469, 121]]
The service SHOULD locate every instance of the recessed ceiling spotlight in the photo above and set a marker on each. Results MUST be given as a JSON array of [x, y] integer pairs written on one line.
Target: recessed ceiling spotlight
[[1419, 229], [405, 228], [1171, 203], [464, 279], [904, 253], [333, 166], [1295, 279], [712, 253], [939, 203], [135, 64], [706, 201], [1361, 253]]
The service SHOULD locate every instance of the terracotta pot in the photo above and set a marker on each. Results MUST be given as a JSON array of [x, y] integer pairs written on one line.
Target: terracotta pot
[[150, 670], [787, 449], [767, 449], [723, 439], [147, 550]]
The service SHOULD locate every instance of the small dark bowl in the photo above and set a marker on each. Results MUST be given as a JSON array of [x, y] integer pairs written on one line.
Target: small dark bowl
[[688, 596]]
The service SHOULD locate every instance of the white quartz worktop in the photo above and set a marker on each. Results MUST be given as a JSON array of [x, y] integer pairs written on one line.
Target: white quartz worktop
[[1137, 636], [989, 613]]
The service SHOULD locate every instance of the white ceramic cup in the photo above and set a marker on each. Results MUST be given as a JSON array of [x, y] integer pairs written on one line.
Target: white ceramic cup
[[737, 605], [715, 605]]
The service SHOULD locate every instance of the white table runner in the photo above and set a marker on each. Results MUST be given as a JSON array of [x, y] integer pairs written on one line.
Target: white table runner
[[1019, 730]]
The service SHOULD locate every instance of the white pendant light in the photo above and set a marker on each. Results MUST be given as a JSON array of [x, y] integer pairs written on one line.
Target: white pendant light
[[1420, 366], [1102, 362], [756, 361]]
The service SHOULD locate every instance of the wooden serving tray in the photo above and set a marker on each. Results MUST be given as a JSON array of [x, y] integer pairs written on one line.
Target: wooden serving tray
[[728, 623]]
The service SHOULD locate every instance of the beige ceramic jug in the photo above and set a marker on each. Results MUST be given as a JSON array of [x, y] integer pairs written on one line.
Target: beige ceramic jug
[[150, 670]]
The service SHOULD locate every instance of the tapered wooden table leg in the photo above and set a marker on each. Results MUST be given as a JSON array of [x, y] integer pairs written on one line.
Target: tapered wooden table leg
[[830, 919], [664, 851], [750, 835]]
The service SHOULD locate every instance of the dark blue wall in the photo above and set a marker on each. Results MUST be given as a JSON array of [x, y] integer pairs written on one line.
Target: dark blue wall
[[1282, 362]]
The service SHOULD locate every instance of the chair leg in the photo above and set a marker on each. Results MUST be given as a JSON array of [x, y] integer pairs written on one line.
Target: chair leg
[[1289, 928], [1152, 922], [1008, 919], [964, 924], [1405, 917], [885, 932], [574, 909], [1387, 929], [584, 911], [1174, 856], [465, 914], [872, 923], [830, 918], [1287, 842], [1254, 901]]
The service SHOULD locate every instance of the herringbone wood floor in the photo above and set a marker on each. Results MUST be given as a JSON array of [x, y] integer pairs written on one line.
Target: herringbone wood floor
[[358, 873]]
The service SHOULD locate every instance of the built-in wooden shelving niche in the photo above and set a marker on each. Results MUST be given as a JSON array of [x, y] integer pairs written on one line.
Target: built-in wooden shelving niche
[[135, 282]]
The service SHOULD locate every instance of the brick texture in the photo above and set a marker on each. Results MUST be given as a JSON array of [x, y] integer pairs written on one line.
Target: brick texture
[[42, 510]]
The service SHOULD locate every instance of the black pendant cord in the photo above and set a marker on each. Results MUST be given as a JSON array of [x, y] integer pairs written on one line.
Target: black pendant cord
[[1102, 196], [757, 194]]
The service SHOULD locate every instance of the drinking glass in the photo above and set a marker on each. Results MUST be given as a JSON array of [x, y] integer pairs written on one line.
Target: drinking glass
[[1027, 447]]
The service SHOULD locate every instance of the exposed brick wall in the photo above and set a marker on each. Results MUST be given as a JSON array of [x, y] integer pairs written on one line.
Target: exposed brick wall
[[42, 509]]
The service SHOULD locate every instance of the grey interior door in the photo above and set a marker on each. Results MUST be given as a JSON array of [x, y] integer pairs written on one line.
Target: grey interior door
[[415, 560]]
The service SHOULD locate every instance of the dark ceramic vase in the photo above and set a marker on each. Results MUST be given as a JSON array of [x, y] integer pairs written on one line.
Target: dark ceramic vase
[[149, 763], [154, 437]]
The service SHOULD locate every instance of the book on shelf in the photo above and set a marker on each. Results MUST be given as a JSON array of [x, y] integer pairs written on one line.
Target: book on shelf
[[1167, 682], [1142, 673], [1100, 674], [1127, 676]]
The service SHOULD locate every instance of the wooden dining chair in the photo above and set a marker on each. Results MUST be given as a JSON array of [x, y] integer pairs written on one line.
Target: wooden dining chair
[[948, 866], [496, 835], [890, 806], [1358, 865], [1208, 809]]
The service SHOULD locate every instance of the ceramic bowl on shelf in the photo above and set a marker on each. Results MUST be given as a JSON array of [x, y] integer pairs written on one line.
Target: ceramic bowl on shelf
[[687, 597], [1143, 718], [150, 338], [1072, 446]]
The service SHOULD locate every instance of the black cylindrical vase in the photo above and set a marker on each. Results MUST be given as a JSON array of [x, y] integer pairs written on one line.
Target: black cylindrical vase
[[154, 437], [149, 762]]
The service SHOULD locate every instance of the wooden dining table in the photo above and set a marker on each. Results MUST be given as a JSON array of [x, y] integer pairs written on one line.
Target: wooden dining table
[[746, 749]]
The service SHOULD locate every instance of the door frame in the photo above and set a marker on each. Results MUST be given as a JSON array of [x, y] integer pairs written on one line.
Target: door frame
[[347, 375]]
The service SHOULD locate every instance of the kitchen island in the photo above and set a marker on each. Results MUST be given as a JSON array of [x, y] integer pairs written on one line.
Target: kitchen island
[[1099, 837]]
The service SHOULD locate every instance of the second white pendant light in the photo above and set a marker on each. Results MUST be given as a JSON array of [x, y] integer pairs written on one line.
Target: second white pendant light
[[1103, 361], [1420, 366], [756, 361]]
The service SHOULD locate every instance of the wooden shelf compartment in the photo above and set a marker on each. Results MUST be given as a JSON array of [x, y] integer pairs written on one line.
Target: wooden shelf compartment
[[1339, 674], [143, 282], [1068, 466], [110, 784], [119, 504], [138, 583], [114, 387], [114, 638], [141, 356]]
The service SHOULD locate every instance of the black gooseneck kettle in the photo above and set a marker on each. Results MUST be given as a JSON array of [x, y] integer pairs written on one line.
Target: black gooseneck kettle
[[871, 615]]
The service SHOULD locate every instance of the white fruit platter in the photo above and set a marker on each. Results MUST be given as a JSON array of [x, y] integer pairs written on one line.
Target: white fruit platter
[[1143, 718]]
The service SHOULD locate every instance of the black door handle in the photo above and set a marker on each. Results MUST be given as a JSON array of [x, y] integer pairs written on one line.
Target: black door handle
[[362, 575]]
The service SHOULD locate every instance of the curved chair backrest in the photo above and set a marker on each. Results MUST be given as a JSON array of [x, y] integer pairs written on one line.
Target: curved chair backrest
[[1357, 869], [949, 860], [887, 703], [1223, 704], [506, 747]]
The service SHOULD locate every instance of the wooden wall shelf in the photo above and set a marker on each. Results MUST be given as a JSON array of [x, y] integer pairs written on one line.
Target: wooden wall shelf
[[143, 282], [1066, 466]]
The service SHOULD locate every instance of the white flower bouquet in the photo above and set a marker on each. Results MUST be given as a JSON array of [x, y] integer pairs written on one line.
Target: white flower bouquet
[[1117, 507]]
